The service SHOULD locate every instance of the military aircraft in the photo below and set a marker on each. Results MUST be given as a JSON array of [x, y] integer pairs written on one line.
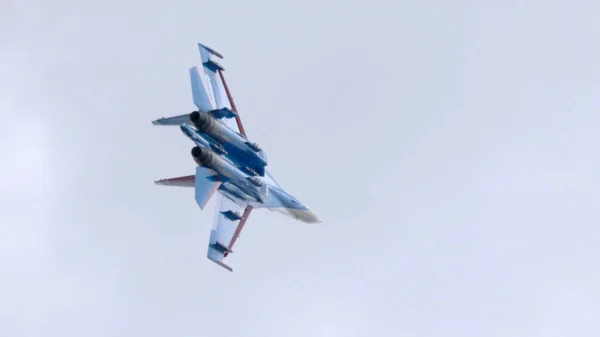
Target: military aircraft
[[226, 161]]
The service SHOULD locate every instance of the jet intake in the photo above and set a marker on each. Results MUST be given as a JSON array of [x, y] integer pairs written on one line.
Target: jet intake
[[203, 157], [203, 121]]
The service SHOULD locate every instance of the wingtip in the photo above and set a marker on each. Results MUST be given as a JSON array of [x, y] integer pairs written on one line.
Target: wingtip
[[221, 264], [214, 52]]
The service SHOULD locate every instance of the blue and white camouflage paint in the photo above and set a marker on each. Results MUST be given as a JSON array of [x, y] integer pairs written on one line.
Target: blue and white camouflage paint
[[227, 162]]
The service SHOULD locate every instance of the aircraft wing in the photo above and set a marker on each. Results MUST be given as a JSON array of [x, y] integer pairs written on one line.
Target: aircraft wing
[[223, 99], [226, 225], [228, 222]]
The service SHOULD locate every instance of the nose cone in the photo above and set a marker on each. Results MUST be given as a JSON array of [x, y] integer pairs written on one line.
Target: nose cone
[[306, 215]]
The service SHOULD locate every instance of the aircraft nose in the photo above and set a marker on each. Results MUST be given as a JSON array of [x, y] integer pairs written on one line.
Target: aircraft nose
[[307, 216]]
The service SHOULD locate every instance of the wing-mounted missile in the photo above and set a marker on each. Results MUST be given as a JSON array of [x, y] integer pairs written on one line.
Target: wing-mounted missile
[[221, 248], [233, 216]]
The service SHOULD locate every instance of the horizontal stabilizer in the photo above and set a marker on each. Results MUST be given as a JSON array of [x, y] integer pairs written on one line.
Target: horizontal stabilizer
[[185, 119], [187, 181], [176, 120], [205, 186]]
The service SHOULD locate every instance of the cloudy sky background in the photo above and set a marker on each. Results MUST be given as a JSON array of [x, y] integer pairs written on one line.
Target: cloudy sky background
[[450, 148]]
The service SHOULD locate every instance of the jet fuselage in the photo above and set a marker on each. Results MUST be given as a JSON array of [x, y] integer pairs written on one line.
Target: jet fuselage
[[256, 191], [228, 142]]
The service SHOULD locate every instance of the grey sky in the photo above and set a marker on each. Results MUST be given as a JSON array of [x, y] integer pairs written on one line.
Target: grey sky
[[450, 148]]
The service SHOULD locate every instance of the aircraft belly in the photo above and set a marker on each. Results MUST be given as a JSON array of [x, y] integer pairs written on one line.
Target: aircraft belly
[[237, 147], [201, 142], [237, 179], [220, 136], [235, 192]]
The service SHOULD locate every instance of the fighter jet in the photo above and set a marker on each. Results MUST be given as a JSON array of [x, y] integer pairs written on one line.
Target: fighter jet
[[227, 162]]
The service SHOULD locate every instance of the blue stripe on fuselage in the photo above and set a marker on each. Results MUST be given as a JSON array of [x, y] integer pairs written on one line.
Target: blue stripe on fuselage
[[237, 150]]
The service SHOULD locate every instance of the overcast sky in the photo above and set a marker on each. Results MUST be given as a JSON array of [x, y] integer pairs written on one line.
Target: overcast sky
[[451, 148]]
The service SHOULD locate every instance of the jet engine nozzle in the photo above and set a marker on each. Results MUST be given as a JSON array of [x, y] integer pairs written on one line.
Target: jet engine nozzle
[[202, 121], [196, 151], [203, 156]]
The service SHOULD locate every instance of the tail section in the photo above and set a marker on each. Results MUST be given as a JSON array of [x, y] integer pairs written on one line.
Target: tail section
[[207, 90]]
